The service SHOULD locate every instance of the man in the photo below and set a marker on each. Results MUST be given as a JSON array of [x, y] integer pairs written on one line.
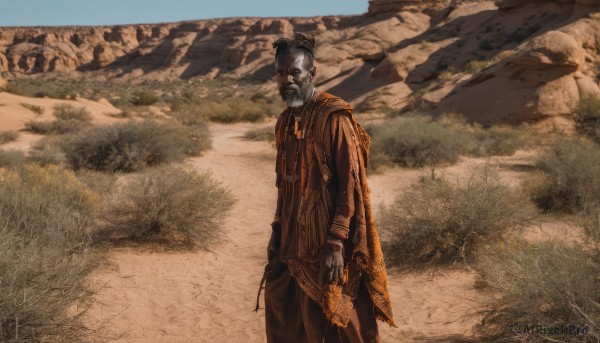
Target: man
[[326, 279]]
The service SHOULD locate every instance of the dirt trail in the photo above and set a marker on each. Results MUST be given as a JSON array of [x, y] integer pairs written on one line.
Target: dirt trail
[[209, 296]]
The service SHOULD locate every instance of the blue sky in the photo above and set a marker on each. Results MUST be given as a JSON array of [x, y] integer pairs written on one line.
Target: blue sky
[[110, 12]]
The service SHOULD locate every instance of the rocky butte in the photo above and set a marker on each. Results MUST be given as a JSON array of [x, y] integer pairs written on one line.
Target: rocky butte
[[506, 61]]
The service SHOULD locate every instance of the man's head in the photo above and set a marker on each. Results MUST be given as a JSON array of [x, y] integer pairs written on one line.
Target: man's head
[[295, 70]]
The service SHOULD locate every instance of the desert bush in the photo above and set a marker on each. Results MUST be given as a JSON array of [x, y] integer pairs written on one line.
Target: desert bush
[[437, 221], [144, 98], [46, 217], [198, 139], [173, 205], [495, 141], [550, 284], [8, 136], [68, 112], [33, 108], [568, 177], [262, 134], [132, 146], [68, 120], [418, 140], [587, 117], [48, 150], [11, 158]]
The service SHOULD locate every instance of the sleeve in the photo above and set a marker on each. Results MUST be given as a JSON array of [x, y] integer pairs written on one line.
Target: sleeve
[[340, 156]]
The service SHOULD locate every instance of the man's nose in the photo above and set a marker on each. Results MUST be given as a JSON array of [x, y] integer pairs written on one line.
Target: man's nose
[[289, 78]]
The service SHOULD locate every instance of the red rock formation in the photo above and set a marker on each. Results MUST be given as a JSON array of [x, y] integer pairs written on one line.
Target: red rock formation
[[394, 55]]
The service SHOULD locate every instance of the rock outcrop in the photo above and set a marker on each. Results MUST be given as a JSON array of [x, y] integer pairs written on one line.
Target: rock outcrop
[[540, 84], [536, 56]]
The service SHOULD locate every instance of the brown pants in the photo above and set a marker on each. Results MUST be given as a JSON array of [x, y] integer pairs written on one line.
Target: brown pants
[[291, 316]]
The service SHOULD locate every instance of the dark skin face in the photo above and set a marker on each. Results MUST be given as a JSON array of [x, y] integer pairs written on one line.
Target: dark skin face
[[294, 77]]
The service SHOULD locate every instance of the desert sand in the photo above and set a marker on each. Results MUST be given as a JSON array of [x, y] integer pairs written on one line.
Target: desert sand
[[209, 296]]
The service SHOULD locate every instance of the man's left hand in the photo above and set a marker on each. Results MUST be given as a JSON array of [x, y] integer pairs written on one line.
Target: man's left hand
[[331, 261]]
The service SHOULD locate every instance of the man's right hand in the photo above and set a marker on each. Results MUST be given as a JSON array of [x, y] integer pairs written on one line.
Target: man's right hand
[[274, 242]]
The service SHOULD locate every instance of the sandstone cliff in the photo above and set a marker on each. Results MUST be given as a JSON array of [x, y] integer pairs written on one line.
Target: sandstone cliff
[[503, 61]]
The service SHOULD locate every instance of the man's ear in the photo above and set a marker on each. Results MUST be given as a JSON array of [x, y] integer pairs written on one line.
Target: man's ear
[[313, 72]]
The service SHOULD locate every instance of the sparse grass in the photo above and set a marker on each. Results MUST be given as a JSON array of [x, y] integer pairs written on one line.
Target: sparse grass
[[447, 74], [175, 206], [33, 108], [230, 111], [477, 65], [132, 146], [263, 134], [568, 177], [8, 136], [418, 141], [587, 117], [68, 120], [45, 259], [440, 222], [550, 284]]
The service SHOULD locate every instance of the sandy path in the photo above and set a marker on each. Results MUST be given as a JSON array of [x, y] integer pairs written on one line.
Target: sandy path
[[208, 296]]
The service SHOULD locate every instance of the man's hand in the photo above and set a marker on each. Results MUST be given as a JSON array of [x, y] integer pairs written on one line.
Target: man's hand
[[331, 261], [274, 242]]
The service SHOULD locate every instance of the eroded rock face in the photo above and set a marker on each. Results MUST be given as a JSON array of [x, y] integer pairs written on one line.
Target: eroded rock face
[[2, 83], [542, 82], [402, 52]]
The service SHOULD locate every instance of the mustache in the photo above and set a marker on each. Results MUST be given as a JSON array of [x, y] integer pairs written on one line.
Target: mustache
[[288, 88]]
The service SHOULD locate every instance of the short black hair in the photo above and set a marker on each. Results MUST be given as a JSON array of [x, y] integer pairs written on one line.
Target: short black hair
[[300, 42]]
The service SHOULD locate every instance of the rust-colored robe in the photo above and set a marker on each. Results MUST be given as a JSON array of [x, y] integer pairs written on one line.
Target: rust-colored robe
[[331, 196]]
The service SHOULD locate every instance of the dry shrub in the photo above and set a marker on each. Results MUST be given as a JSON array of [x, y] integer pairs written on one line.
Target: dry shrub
[[33, 108], [68, 120], [436, 221], [418, 140], [132, 146], [8, 136], [550, 284], [46, 216], [198, 139], [48, 151], [590, 221], [587, 117], [11, 158], [569, 176], [495, 141], [68, 112], [143, 98], [171, 205]]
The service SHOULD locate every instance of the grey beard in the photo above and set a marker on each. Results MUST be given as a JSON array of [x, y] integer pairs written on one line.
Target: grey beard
[[295, 103], [294, 100]]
